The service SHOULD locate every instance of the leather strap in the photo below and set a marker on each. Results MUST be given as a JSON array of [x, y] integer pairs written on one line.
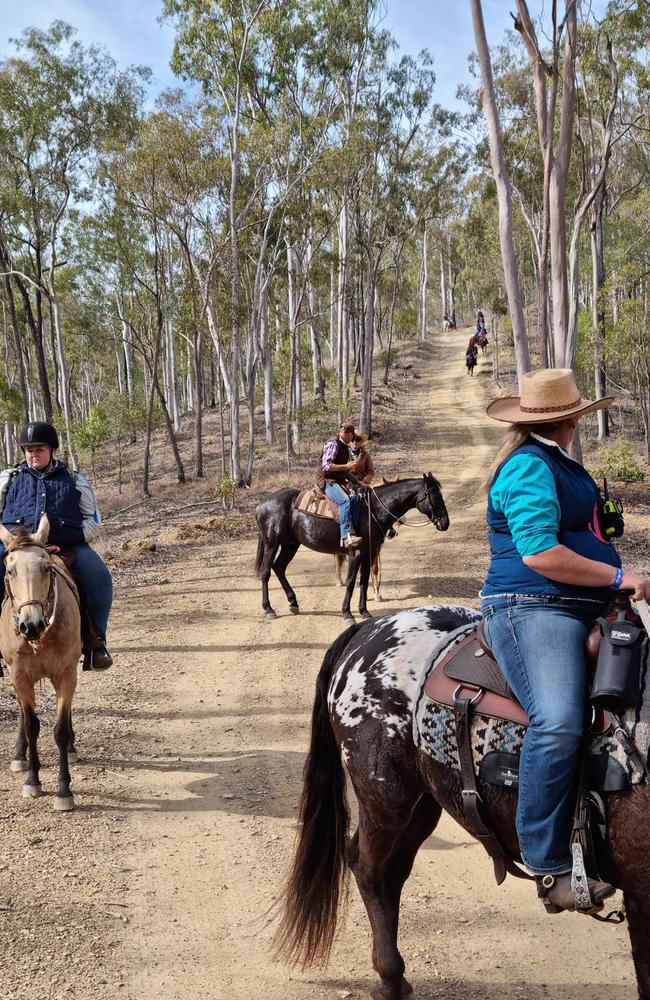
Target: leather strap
[[472, 799], [624, 738]]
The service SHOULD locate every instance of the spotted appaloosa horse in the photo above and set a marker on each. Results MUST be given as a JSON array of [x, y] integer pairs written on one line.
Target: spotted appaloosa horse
[[362, 718]]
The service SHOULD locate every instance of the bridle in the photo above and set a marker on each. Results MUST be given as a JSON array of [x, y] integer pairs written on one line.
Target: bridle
[[48, 606], [422, 495]]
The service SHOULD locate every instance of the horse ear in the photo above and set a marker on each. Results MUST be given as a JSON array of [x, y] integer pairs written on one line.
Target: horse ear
[[42, 532], [5, 535], [431, 475]]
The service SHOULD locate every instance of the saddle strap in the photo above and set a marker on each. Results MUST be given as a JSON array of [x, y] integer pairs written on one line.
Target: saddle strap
[[472, 799], [624, 738]]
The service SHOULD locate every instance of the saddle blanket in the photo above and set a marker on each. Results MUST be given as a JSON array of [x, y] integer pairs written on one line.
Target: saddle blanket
[[434, 731], [316, 503]]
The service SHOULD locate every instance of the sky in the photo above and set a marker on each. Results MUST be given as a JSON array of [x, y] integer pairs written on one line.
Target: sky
[[131, 33]]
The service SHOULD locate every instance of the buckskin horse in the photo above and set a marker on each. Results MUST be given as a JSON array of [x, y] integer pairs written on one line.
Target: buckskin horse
[[363, 716], [40, 639], [284, 528]]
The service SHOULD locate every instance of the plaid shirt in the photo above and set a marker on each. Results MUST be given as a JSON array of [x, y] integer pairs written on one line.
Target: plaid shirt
[[329, 454]]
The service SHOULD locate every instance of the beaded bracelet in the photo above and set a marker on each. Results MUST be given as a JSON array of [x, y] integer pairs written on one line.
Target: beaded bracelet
[[618, 579]]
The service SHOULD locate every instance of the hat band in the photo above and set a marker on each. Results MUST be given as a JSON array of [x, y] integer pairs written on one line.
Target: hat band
[[550, 409]]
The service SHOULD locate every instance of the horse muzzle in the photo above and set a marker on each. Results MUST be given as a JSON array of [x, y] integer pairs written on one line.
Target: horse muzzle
[[31, 625], [441, 523]]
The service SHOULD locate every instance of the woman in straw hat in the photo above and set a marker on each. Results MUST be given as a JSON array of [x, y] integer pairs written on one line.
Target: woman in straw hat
[[550, 577]]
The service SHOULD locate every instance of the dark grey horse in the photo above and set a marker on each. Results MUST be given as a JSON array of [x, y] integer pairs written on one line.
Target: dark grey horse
[[283, 528]]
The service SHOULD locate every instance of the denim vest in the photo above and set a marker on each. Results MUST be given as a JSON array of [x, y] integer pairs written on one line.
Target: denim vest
[[576, 494], [55, 494]]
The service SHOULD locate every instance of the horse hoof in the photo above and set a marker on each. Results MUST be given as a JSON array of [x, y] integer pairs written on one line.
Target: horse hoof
[[64, 805], [294, 609], [32, 791], [378, 597], [73, 757], [349, 619], [18, 765], [365, 615], [270, 615]]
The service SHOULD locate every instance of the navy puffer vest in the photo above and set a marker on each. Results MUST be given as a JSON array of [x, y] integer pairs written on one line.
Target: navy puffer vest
[[576, 493], [55, 494]]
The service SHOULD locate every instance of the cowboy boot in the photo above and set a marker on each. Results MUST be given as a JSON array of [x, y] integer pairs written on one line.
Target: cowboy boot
[[556, 895]]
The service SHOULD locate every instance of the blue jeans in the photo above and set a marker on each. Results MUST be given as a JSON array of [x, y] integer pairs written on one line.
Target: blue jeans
[[539, 644], [95, 580], [347, 506]]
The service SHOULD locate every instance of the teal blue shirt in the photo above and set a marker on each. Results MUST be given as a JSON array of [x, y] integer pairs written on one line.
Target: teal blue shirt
[[525, 493]]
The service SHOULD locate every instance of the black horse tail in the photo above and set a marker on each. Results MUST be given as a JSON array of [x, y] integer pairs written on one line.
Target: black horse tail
[[259, 558], [318, 875]]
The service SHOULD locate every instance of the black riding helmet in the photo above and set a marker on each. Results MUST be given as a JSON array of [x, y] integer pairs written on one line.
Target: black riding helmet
[[39, 432]]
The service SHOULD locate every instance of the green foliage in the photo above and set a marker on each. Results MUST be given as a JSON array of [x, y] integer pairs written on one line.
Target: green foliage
[[618, 461], [94, 431], [225, 489]]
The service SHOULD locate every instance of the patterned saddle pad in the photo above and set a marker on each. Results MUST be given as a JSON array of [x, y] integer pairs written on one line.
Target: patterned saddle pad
[[316, 503], [499, 726]]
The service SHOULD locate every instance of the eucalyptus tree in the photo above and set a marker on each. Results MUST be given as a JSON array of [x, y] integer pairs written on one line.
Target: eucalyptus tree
[[60, 104]]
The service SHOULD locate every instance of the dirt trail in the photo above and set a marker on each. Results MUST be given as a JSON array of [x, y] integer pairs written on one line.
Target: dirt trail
[[196, 744]]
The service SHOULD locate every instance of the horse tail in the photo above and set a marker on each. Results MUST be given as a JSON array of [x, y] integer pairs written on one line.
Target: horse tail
[[317, 879], [259, 557]]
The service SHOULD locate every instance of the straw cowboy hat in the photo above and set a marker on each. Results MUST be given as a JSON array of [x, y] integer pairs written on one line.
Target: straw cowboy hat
[[546, 396], [360, 438]]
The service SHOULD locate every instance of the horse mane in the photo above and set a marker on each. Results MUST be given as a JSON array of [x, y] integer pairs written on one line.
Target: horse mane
[[405, 479]]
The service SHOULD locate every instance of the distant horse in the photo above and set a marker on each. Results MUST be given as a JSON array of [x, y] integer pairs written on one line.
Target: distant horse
[[40, 639], [483, 341], [362, 715], [471, 359], [284, 528], [448, 324], [375, 569]]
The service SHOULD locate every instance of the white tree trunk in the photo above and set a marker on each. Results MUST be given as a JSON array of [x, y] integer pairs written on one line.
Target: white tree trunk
[[425, 284], [342, 317], [443, 286], [497, 159]]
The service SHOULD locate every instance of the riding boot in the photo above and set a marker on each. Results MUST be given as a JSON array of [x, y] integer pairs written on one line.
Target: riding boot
[[556, 895]]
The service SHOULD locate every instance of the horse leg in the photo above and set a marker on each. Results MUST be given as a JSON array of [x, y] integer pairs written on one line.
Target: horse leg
[[340, 559], [64, 800], [288, 550], [637, 909], [73, 756], [353, 569], [381, 856], [32, 786], [19, 762], [363, 586], [270, 551], [374, 572]]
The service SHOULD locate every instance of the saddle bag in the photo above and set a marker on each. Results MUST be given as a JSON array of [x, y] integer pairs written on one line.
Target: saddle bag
[[617, 676]]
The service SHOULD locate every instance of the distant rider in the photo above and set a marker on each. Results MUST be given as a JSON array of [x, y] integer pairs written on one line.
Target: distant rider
[[43, 484], [335, 471]]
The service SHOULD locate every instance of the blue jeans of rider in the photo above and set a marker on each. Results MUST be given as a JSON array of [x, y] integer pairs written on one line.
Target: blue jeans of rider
[[347, 506], [539, 644], [95, 579]]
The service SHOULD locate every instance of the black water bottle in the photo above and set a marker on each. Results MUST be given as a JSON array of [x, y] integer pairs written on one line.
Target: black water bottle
[[617, 677]]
